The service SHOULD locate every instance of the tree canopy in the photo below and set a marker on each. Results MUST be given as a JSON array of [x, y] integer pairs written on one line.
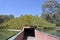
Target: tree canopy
[[49, 9], [58, 17], [5, 18]]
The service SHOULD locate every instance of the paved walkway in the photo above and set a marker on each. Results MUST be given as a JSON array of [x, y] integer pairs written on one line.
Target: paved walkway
[[31, 38], [43, 36], [10, 29]]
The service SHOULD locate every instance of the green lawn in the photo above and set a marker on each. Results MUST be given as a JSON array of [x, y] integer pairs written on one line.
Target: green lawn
[[53, 32], [6, 34]]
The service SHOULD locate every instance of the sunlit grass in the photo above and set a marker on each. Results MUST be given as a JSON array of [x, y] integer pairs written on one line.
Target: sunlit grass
[[6, 34]]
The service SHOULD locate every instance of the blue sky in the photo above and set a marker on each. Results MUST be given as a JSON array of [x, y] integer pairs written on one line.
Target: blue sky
[[21, 7]]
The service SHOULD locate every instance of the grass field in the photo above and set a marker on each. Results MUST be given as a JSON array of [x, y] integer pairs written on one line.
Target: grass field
[[6, 34], [53, 32]]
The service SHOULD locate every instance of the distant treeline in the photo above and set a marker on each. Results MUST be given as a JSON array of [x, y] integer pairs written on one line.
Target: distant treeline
[[5, 18]]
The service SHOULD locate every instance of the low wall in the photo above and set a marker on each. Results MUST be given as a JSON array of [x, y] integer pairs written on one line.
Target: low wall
[[20, 37]]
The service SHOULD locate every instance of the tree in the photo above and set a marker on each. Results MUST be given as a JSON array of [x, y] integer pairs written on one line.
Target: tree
[[49, 9], [5, 18], [58, 17], [11, 16]]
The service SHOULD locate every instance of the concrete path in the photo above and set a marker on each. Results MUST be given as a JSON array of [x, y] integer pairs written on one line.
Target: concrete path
[[43, 36], [31, 38], [10, 29]]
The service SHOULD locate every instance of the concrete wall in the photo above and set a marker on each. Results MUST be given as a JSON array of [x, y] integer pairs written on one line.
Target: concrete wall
[[20, 37], [27, 32]]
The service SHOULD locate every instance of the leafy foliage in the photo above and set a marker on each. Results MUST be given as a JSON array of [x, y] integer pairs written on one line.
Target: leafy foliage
[[21, 21], [49, 9], [5, 18], [58, 17]]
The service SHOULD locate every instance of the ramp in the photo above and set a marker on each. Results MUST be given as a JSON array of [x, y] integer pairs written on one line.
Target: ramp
[[32, 34], [31, 38]]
